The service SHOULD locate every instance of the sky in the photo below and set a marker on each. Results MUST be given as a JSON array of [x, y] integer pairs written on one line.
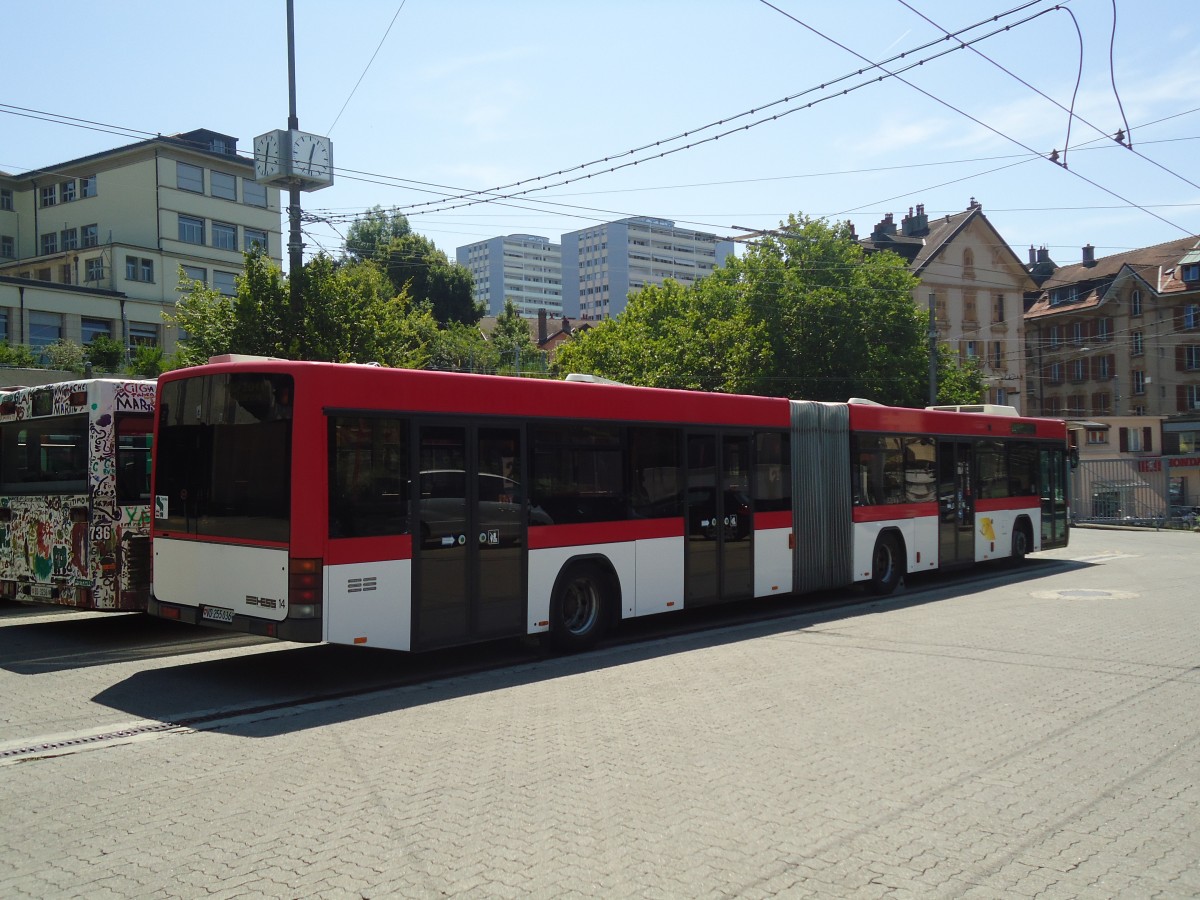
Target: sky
[[429, 101]]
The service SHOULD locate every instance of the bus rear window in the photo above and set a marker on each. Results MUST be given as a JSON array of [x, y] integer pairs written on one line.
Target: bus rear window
[[224, 456], [44, 455]]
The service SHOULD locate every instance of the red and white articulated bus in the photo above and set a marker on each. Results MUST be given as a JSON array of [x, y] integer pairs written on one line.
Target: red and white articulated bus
[[413, 510]]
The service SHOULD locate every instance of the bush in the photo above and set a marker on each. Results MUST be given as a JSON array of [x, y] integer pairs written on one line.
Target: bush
[[65, 355], [146, 362], [105, 354], [17, 355]]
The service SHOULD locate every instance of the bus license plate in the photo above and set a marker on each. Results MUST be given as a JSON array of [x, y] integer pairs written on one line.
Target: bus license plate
[[42, 591], [216, 614]]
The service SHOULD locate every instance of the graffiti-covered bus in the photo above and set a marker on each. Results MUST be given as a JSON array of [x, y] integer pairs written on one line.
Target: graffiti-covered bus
[[75, 493]]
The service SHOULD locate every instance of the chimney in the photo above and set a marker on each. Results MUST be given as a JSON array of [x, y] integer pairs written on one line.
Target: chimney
[[915, 225], [1032, 256], [543, 332], [974, 204], [884, 228], [1089, 255], [1043, 255], [566, 325]]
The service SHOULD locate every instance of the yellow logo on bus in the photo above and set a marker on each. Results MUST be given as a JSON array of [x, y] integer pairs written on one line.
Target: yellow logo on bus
[[986, 529]]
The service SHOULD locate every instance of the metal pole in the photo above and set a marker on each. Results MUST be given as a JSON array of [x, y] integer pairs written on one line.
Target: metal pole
[[933, 349], [295, 247]]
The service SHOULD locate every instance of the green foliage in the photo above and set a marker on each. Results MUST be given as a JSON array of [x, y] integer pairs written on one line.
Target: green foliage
[[146, 362], [461, 348], [806, 315], [18, 355], [375, 231], [105, 354], [65, 355], [349, 314], [958, 381], [515, 350], [413, 263]]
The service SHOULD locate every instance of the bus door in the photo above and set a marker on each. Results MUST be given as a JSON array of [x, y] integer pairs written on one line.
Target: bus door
[[469, 540], [719, 561], [956, 503], [1053, 486]]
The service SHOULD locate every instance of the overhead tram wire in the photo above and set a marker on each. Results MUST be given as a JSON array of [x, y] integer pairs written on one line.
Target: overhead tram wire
[[492, 194], [1071, 112], [967, 115], [354, 90]]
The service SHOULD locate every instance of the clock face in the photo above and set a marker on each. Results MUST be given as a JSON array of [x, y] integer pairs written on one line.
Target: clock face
[[266, 154], [310, 156]]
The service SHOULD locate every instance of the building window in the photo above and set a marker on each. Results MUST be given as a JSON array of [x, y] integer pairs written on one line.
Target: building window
[[4, 326], [139, 269], [1097, 436], [1191, 356], [66, 191], [196, 273], [50, 195], [1191, 316], [1104, 329], [1135, 303], [224, 236], [44, 328], [89, 235], [1079, 369], [70, 238], [64, 273], [87, 186], [93, 269], [49, 243], [225, 282], [1138, 346], [972, 350], [90, 329], [1103, 368], [998, 309], [6, 198], [1192, 396], [1077, 332], [8, 247], [252, 237], [1055, 336], [189, 178], [1191, 272], [223, 185], [141, 335], [997, 354], [1056, 373], [253, 193], [1102, 403], [1139, 381], [191, 230]]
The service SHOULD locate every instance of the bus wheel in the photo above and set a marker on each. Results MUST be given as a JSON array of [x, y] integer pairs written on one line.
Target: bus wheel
[[1020, 544], [887, 565], [577, 610]]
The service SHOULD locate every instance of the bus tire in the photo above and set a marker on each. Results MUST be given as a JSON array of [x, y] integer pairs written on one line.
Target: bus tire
[[579, 608], [887, 564], [1020, 542]]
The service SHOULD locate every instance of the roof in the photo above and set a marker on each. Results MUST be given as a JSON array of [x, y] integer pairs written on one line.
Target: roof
[[199, 140], [1154, 265]]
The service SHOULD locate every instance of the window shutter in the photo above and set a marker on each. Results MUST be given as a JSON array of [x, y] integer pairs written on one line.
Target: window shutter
[[1124, 440], [1181, 398], [1148, 439], [1180, 363]]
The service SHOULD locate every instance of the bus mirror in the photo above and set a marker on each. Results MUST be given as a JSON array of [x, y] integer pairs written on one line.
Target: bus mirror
[[1073, 457]]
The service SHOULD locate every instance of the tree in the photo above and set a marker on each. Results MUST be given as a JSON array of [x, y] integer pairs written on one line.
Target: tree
[[350, 314], [958, 381], [806, 315], [374, 231], [105, 353], [65, 355], [413, 263], [513, 344]]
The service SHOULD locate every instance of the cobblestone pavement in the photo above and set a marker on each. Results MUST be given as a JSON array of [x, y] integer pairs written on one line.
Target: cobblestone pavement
[[1031, 733]]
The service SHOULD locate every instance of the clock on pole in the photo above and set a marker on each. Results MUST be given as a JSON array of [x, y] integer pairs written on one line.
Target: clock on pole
[[293, 159]]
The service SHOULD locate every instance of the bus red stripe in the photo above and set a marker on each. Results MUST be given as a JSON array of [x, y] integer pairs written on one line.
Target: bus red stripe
[[369, 549], [894, 511], [1026, 502], [774, 519], [542, 537]]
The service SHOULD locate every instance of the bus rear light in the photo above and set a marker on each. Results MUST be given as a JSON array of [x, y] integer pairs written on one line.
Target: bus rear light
[[304, 588], [169, 612], [360, 640]]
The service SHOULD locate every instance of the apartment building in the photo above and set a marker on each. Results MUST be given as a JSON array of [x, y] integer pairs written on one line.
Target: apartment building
[[95, 245], [978, 285], [524, 268], [1119, 335], [603, 264]]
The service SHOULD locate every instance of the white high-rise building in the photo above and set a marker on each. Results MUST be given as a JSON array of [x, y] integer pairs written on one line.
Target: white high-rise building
[[524, 268], [603, 264]]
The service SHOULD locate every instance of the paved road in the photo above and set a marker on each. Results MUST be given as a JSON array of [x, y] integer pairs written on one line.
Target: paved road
[[1031, 733]]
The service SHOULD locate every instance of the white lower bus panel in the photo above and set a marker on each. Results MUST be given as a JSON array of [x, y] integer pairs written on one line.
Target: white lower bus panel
[[920, 537], [250, 581], [369, 604]]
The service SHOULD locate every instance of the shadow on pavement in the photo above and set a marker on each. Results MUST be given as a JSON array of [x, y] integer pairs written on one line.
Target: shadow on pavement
[[267, 694], [60, 639]]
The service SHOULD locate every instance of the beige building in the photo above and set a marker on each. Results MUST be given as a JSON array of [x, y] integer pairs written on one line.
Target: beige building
[[1120, 335], [94, 246], [978, 285]]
